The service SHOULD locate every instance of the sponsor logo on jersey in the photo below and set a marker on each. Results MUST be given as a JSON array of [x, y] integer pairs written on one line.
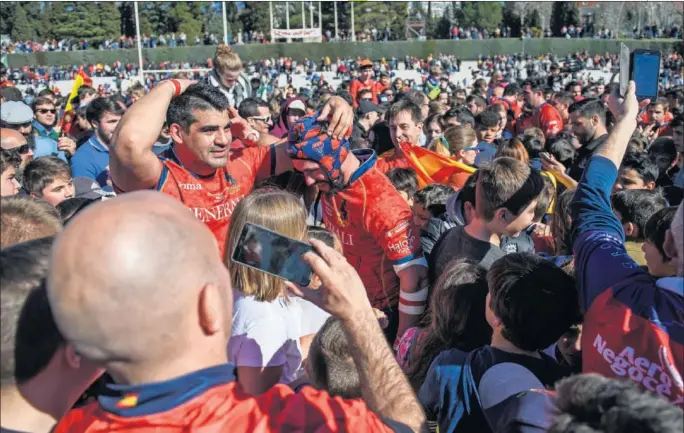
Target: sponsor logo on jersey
[[659, 376]]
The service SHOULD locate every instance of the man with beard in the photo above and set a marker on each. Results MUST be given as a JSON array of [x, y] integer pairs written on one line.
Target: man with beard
[[588, 124], [92, 158]]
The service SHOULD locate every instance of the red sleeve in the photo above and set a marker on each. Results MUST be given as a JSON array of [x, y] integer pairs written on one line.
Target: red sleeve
[[314, 410], [260, 160], [389, 220], [353, 89], [550, 121]]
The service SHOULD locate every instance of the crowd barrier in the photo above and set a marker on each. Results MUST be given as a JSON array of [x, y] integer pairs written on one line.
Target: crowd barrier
[[464, 49]]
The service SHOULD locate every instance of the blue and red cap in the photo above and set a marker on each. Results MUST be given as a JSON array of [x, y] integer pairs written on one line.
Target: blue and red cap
[[308, 140]]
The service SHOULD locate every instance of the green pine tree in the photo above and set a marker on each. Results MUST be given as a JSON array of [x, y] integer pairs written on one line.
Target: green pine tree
[[21, 28], [182, 20], [563, 14], [256, 16], [109, 17], [7, 17]]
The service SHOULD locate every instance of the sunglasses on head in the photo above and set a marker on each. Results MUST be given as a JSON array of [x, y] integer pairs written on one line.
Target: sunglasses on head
[[45, 111], [23, 149]]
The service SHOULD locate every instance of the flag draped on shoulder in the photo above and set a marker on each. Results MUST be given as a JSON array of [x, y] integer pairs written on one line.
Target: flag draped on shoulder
[[432, 167]]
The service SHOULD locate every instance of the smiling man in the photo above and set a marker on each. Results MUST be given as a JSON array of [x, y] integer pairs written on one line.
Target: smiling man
[[198, 169], [405, 125]]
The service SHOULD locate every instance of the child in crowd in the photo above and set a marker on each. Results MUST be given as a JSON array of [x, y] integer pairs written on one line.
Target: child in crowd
[[405, 182], [487, 128], [455, 320], [634, 208], [531, 303], [658, 262], [9, 162], [430, 202], [637, 171], [49, 178], [506, 197]]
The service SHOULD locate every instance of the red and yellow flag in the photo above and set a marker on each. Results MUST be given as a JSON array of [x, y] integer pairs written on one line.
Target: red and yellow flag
[[432, 167]]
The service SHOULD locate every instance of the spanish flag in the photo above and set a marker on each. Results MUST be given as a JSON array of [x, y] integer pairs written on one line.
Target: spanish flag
[[432, 167], [81, 80]]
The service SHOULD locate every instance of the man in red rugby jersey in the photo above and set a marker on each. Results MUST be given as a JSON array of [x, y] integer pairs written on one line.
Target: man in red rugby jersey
[[373, 222], [199, 169], [160, 322]]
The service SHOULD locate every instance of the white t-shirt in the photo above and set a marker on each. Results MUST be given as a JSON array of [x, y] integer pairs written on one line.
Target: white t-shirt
[[266, 334]]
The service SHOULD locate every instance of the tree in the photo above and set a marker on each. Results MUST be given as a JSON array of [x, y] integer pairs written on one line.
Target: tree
[[533, 20], [563, 14], [154, 18], [181, 19], [109, 17], [21, 29], [256, 16], [443, 26], [481, 15], [7, 16], [127, 12]]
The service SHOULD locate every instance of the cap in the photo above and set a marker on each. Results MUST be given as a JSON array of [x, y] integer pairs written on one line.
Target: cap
[[15, 113], [365, 63], [88, 188], [297, 104], [366, 107]]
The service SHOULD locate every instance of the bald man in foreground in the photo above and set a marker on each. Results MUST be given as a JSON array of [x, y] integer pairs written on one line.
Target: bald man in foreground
[[153, 305]]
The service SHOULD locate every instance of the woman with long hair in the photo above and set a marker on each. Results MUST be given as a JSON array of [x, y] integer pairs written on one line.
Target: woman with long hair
[[456, 320], [268, 326]]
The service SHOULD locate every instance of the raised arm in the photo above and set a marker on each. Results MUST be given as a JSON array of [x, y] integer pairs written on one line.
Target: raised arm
[[384, 387], [132, 163], [598, 238]]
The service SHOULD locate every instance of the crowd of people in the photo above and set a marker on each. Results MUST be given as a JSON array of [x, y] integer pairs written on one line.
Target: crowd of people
[[506, 255]]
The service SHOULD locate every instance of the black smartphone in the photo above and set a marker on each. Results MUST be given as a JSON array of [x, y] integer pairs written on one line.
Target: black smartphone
[[644, 70], [273, 253]]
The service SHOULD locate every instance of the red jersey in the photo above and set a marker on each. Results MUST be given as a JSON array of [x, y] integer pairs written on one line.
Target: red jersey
[[213, 198], [547, 118], [357, 85], [391, 159], [375, 226], [211, 401]]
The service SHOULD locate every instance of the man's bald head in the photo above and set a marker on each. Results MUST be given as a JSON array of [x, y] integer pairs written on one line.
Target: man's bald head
[[9, 138], [129, 282]]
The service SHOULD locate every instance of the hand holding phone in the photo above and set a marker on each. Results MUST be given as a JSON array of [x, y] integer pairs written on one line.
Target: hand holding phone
[[342, 292]]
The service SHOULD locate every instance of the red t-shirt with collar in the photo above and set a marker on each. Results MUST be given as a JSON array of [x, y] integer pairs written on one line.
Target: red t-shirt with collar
[[375, 225], [213, 198]]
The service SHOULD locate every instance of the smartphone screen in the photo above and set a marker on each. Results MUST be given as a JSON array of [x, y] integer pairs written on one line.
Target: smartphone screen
[[273, 253], [645, 73]]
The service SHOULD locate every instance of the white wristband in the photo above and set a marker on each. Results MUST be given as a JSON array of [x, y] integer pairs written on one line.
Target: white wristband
[[413, 310], [420, 295]]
